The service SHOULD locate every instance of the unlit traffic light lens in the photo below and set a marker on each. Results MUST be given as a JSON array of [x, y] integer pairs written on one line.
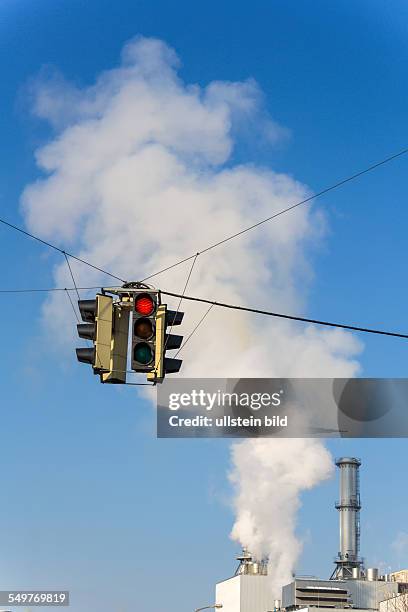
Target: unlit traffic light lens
[[144, 328], [143, 353], [144, 304]]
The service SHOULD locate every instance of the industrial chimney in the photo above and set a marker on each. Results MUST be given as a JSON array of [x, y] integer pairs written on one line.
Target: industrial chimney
[[348, 563]]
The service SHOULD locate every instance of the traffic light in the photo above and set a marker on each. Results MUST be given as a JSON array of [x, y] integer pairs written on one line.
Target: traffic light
[[150, 339], [98, 317], [165, 342], [145, 307], [106, 325]]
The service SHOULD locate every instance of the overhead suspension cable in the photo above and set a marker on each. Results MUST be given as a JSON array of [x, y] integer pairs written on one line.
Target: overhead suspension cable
[[235, 307], [367, 330], [53, 246], [220, 242], [285, 210], [191, 334], [55, 289]]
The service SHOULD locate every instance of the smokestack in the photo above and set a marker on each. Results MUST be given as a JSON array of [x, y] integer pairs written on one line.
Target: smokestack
[[349, 514]]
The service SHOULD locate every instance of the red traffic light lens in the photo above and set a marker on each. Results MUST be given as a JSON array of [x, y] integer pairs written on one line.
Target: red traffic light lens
[[144, 304], [144, 328]]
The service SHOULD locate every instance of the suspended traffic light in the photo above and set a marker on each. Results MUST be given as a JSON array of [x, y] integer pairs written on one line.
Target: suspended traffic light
[[97, 314], [106, 325], [145, 305]]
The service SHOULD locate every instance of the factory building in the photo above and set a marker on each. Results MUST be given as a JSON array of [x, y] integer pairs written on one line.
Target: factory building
[[351, 585], [245, 593], [401, 576], [249, 590]]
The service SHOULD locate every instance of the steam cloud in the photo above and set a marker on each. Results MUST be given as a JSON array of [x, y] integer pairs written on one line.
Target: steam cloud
[[269, 476], [139, 173]]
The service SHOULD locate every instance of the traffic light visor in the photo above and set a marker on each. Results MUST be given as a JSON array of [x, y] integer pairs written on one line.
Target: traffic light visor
[[86, 330], [86, 355], [87, 308]]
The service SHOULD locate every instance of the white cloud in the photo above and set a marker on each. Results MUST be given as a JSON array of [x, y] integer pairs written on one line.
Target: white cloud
[[137, 175]]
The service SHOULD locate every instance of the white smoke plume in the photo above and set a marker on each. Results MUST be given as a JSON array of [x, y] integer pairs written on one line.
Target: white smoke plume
[[138, 174], [269, 476]]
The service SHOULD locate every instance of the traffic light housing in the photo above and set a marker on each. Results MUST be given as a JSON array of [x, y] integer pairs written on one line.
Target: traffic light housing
[[119, 347], [166, 341], [97, 315], [145, 308]]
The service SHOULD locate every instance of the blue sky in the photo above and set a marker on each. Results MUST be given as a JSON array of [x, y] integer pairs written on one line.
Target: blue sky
[[92, 501]]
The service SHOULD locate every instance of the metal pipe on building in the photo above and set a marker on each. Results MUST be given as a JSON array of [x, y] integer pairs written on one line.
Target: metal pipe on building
[[356, 573], [372, 574]]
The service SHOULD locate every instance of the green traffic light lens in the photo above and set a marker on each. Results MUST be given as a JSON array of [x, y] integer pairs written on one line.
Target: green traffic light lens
[[143, 353], [144, 328]]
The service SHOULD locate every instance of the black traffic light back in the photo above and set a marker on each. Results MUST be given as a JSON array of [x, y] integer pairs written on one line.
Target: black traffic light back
[[166, 341], [87, 310], [172, 341], [174, 317]]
